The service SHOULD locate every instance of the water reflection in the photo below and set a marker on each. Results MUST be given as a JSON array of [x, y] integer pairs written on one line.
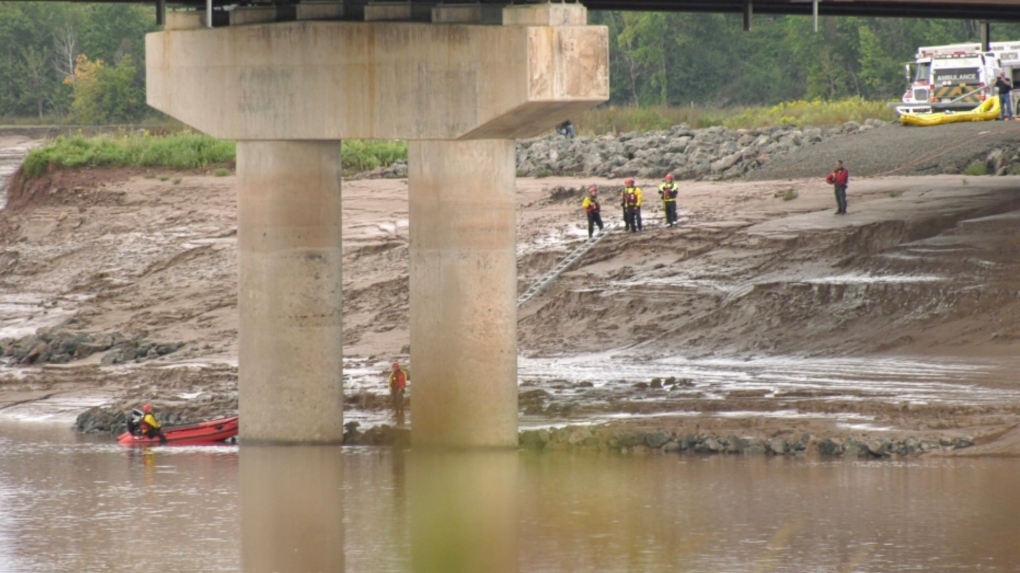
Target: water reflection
[[72, 503], [292, 516], [464, 511]]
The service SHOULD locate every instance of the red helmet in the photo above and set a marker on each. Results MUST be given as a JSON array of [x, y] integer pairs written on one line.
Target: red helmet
[[396, 366], [628, 182], [147, 408], [669, 177], [592, 191]]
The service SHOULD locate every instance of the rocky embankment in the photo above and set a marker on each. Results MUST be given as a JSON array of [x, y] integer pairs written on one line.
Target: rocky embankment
[[610, 439], [717, 153], [709, 154], [54, 346]]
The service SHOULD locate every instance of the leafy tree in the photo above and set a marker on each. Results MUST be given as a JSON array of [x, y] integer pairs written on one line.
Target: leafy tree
[[104, 94]]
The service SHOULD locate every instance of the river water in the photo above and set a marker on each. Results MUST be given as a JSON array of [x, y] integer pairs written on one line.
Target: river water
[[73, 503]]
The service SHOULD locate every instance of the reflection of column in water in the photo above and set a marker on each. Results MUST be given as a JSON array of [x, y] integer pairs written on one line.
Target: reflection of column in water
[[463, 511], [292, 508]]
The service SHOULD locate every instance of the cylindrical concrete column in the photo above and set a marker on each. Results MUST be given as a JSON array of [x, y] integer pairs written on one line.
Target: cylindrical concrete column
[[463, 293], [289, 292]]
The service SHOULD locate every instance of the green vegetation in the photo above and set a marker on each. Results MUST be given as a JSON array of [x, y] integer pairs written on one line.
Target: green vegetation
[[63, 62], [360, 155], [614, 119], [80, 62], [896, 193], [976, 168], [790, 195], [182, 150]]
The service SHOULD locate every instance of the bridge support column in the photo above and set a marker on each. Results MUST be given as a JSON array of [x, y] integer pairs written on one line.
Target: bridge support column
[[460, 94], [463, 279], [289, 243]]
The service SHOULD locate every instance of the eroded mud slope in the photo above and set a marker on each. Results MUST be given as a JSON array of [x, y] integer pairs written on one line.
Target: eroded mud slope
[[919, 266]]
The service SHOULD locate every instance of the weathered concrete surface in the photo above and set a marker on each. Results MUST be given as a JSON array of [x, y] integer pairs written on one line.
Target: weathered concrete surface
[[463, 292], [335, 80], [289, 292]]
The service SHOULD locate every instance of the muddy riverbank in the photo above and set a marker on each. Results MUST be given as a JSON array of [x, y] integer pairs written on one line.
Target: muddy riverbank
[[762, 317]]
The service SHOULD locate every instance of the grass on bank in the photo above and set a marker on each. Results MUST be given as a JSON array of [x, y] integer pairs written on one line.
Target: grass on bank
[[180, 150], [173, 148], [614, 119]]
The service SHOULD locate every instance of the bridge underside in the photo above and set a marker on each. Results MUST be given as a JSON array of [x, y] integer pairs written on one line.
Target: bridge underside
[[991, 10]]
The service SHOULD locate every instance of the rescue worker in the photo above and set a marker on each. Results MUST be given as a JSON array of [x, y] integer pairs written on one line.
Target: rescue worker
[[150, 427], [628, 201], [668, 190], [839, 178], [591, 207], [398, 382], [631, 201]]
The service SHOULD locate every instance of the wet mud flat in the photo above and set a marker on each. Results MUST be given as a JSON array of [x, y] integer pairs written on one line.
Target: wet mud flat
[[758, 317]]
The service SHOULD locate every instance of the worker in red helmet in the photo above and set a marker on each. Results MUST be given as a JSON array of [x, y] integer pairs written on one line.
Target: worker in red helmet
[[150, 427], [398, 384], [592, 208], [668, 190], [631, 200]]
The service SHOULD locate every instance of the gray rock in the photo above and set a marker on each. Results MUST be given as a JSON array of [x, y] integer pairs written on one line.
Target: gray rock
[[657, 439]]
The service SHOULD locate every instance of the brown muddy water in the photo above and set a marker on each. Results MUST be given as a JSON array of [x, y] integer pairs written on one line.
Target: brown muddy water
[[77, 503]]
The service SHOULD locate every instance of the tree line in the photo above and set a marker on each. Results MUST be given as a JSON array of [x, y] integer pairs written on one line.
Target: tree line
[[85, 63]]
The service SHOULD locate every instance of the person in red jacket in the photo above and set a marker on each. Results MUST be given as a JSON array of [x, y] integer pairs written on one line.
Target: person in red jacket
[[398, 382], [839, 178]]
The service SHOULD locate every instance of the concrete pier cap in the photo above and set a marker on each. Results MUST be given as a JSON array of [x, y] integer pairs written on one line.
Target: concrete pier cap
[[333, 80], [460, 94]]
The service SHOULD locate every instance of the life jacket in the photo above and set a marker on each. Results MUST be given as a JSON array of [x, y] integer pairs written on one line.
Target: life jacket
[[591, 205], [629, 197], [398, 379], [838, 177], [669, 191]]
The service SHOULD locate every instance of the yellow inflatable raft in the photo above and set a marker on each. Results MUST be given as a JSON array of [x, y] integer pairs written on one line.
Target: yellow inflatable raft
[[988, 110]]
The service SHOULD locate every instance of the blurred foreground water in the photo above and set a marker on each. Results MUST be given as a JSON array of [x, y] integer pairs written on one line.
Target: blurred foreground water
[[77, 503]]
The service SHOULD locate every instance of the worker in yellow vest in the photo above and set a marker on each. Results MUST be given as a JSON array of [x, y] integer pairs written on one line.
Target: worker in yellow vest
[[668, 190]]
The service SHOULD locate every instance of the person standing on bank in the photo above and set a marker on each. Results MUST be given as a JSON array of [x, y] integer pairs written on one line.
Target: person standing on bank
[[839, 178], [629, 201], [668, 191], [398, 383], [1005, 86], [633, 193], [591, 207]]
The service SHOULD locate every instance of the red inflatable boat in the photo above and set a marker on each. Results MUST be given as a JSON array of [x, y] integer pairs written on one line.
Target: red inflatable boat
[[200, 433]]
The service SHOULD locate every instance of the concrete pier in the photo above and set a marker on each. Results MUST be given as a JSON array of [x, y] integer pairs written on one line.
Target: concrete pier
[[290, 291], [463, 292], [460, 94]]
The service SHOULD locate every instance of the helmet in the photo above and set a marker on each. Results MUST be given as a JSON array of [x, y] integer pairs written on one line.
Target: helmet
[[147, 408], [669, 177], [396, 366], [628, 182], [592, 191]]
